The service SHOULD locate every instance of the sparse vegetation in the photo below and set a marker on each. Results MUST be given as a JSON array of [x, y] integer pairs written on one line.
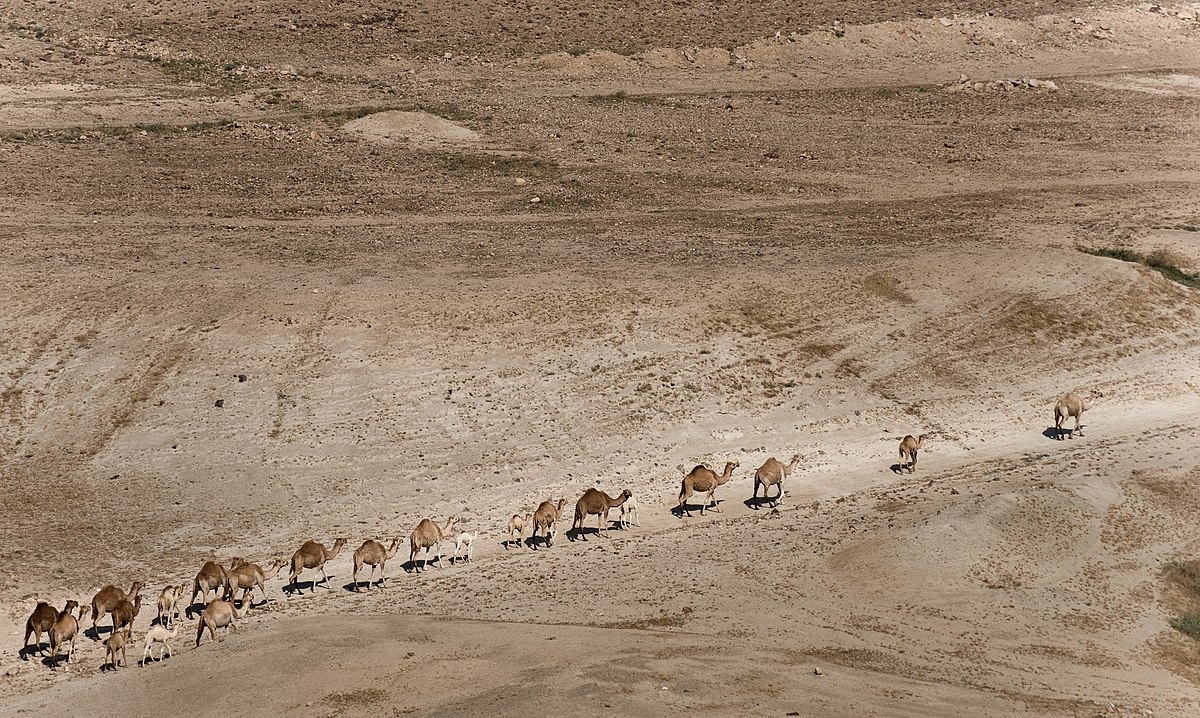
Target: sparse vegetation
[[1183, 595], [1164, 261]]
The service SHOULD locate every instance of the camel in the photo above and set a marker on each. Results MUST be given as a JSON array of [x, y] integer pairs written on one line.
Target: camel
[[908, 451], [125, 612], [212, 577], [517, 525], [545, 521], [428, 535], [40, 621], [1069, 405], [116, 643], [373, 554], [629, 509], [168, 603], [313, 555], [247, 576], [218, 614], [772, 473], [595, 501], [106, 599], [464, 539], [65, 629], [702, 478], [158, 635]]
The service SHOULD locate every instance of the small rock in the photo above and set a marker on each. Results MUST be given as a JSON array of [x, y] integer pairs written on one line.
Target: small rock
[[14, 671], [535, 200], [946, 22], [448, 56], [818, 672], [962, 79], [954, 491], [241, 378], [520, 182], [219, 403], [734, 104]]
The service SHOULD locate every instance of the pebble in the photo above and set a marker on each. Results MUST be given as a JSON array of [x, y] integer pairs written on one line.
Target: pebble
[[520, 182], [818, 672], [535, 200]]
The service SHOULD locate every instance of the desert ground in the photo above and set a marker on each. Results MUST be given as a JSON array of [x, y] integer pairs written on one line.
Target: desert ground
[[287, 272]]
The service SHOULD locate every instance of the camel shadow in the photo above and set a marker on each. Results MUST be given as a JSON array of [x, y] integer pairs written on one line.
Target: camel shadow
[[580, 534], [1051, 432], [94, 632], [898, 468], [290, 588], [756, 503], [681, 511]]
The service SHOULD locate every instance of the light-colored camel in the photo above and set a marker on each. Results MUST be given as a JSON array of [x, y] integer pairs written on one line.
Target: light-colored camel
[[428, 535], [160, 636], [373, 554], [545, 521], [168, 603], [629, 514], [247, 576], [595, 501], [517, 525], [464, 544], [125, 612], [704, 479], [106, 599], [909, 446], [772, 473], [115, 644], [218, 614], [1069, 405], [211, 577], [40, 621], [313, 555], [65, 630]]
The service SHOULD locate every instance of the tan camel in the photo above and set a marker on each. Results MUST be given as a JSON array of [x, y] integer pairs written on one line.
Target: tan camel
[[106, 599], [218, 614], [517, 525], [909, 446], [429, 535], [373, 554], [116, 644], [157, 635], [595, 501], [125, 612], [545, 522], [702, 478], [313, 555], [1069, 405], [772, 473], [168, 604], [64, 630], [247, 576], [40, 621], [211, 577]]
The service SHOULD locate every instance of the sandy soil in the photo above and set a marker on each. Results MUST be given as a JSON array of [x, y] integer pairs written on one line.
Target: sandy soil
[[298, 272]]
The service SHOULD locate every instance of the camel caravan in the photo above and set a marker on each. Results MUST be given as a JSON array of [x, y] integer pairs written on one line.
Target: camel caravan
[[225, 607]]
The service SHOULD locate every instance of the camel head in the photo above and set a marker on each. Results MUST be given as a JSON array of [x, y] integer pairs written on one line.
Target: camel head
[[730, 466], [236, 561], [70, 606], [626, 494], [136, 588], [339, 543], [795, 458], [82, 610]]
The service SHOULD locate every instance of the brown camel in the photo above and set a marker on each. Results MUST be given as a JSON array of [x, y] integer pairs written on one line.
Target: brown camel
[[517, 525], [1069, 405], [40, 621], [545, 521], [908, 451], [595, 501], [247, 576], [703, 479], [313, 555], [125, 612], [211, 577], [373, 554], [772, 473], [428, 535], [116, 644], [65, 630], [218, 614], [106, 599]]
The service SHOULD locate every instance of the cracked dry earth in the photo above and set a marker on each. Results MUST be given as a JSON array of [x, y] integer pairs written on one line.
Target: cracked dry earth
[[287, 272]]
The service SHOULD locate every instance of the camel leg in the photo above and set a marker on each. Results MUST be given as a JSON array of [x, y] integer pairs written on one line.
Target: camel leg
[[438, 547], [325, 576], [712, 496], [1078, 429], [913, 465]]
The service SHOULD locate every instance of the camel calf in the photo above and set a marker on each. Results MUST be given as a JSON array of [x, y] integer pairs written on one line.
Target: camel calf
[[116, 643], [464, 540], [516, 525], [629, 514], [157, 635]]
